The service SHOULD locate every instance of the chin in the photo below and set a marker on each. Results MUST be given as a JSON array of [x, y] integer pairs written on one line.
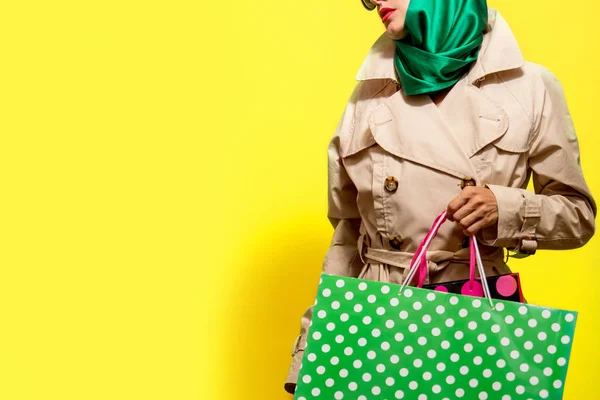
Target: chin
[[395, 35], [395, 32]]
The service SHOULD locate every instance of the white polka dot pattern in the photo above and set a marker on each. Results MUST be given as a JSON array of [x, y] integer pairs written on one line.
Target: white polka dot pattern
[[366, 340]]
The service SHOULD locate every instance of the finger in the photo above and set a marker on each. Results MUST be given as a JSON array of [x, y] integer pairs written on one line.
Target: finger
[[472, 215], [475, 227], [468, 212], [455, 205], [475, 204], [466, 196]]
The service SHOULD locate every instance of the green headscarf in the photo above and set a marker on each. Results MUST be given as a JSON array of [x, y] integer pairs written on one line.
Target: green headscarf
[[443, 39]]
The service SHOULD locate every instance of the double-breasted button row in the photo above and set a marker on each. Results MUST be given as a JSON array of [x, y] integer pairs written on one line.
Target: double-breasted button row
[[391, 184]]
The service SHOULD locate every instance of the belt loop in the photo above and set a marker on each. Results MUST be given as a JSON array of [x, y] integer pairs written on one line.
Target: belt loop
[[361, 247], [427, 280], [361, 242], [528, 242]]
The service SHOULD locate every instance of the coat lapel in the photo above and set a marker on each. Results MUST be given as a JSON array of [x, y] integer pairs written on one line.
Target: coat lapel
[[475, 119], [412, 128]]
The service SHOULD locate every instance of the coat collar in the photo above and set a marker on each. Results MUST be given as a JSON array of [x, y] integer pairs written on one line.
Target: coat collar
[[499, 52]]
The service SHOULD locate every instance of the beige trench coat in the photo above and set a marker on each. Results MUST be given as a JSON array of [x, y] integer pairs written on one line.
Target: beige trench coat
[[505, 121]]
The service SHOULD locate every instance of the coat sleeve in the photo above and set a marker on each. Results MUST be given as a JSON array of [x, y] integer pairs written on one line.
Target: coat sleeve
[[561, 212], [344, 216], [342, 256]]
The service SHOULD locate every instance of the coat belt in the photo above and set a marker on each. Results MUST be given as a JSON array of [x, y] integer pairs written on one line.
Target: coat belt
[[436, 259]]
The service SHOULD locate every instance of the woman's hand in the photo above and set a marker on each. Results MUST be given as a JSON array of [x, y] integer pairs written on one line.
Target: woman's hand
[[474, 209]]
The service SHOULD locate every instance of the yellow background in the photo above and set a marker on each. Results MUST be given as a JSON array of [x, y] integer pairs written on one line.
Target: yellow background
[[163, 175]]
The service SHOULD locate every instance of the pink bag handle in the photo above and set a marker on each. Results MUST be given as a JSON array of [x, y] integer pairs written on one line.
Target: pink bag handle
[[418, 263], [421, 253], [471, 263]]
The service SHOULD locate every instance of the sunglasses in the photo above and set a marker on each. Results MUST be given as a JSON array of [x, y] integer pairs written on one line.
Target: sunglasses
[[368, 5]]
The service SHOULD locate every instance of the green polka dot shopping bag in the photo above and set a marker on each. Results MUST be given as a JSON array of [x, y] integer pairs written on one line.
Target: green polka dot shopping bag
[[374, 340]]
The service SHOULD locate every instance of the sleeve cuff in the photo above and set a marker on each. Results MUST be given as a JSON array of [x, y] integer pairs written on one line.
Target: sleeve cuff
[[507, 232]]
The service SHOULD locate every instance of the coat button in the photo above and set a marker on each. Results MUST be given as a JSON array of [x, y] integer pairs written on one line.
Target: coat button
[[395, 242], [467, 181], [391, 184]]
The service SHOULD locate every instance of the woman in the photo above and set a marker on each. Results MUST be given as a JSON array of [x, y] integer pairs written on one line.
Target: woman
[[448, 115]]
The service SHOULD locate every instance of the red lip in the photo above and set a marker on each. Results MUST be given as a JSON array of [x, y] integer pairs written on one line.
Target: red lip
[[386, 13]]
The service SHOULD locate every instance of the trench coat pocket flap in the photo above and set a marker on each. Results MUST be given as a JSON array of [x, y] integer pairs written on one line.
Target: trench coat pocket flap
[[359, 139]]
